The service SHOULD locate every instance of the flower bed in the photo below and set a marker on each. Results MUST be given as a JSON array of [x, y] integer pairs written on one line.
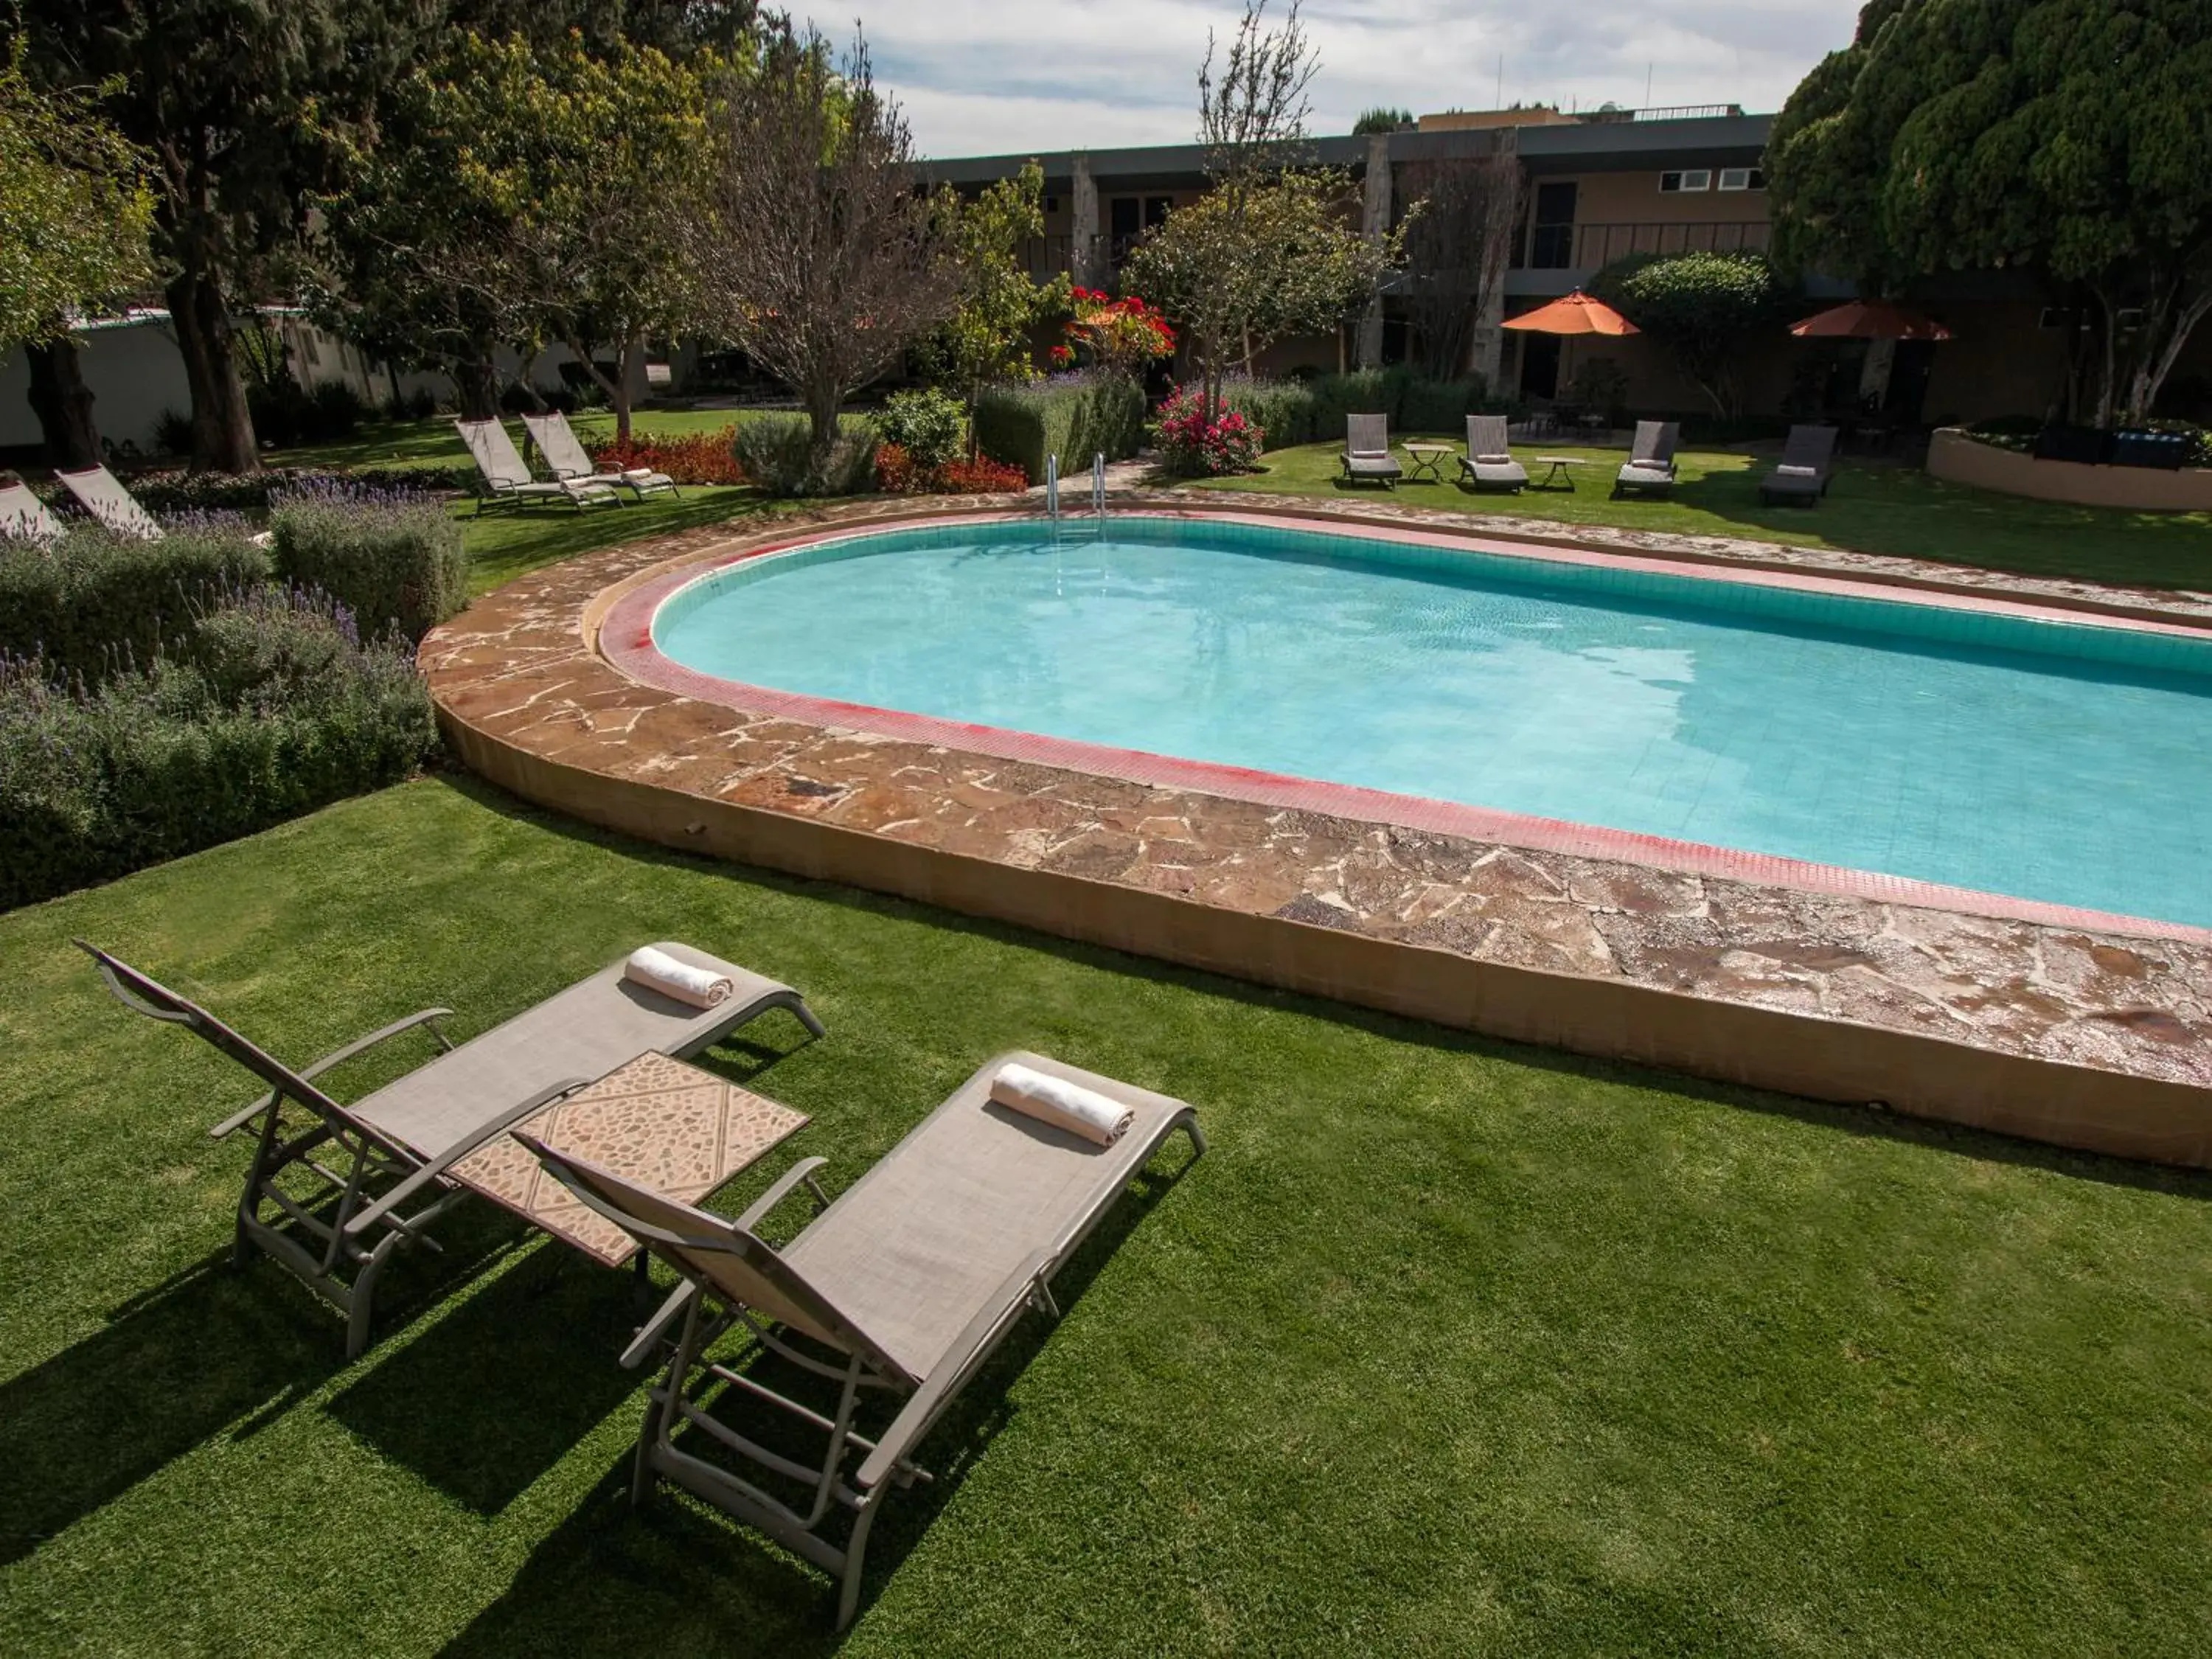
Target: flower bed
[[898, 474], [698, 458]]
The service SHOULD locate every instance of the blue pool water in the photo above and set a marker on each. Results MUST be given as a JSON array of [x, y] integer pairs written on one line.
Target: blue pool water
[[2047, 761]]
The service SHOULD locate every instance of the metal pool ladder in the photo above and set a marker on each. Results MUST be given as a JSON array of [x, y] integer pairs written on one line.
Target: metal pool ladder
[[1098, 488]]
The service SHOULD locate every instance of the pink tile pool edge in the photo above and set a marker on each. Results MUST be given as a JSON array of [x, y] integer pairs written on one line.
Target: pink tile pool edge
[[625, 641]]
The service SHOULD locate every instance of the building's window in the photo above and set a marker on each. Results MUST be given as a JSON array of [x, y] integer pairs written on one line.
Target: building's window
[[1552, 244], [1742, 179], [1052, 204], [1693, 179], [1122, 220], [1156, 208]]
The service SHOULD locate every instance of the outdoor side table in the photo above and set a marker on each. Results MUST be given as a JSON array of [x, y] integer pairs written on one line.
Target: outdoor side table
[[657, 1121], [1561, 477], [1426, 457]]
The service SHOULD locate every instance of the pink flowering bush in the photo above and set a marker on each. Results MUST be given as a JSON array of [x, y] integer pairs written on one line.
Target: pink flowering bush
[[1192, 447]]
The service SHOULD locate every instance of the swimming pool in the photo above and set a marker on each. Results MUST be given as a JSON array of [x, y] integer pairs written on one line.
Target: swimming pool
[[2050, 761]]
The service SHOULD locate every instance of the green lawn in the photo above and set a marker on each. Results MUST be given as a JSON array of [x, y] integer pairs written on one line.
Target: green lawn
[[507, 543], [434, 442], [1874, 506], [1446, 1346]]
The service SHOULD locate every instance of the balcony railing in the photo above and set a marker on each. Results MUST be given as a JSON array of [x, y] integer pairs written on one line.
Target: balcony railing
[[1586, 247]]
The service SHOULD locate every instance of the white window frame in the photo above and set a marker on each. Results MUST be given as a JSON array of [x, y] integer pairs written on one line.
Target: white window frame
[[1743, 178], [1683, 178]]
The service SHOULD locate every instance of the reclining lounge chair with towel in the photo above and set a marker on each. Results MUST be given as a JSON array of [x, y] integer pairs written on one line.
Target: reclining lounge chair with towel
[[107, 500], [24, 517], [902, 1287], [1367, 449], [507, 479], [569, 462], [379, 1167], [1809, 460], [1651, 467], [1489, 463]]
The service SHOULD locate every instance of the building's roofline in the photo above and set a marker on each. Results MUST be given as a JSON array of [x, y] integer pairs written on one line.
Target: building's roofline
[[1584, 147]]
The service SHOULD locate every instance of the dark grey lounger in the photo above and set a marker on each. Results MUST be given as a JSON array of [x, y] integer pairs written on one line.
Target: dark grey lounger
[[1367, 449], [1650, 468], [383, 1157], [904, 1286], [1809, 460], [1489, 463]]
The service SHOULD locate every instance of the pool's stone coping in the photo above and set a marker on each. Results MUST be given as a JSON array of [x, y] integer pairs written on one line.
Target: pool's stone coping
[[1828, 995]]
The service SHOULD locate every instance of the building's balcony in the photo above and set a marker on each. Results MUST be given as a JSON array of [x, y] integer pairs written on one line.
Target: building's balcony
[[1591, 246]]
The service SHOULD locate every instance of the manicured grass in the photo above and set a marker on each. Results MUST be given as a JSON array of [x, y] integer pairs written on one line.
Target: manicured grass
[[1874, 506], [1446, 1348], [509, 541], [434, 442]]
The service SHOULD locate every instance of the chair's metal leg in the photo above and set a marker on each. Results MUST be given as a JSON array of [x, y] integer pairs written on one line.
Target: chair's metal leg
[[660, 1414], [849, 1592], [363, 1298], [806, 1018]]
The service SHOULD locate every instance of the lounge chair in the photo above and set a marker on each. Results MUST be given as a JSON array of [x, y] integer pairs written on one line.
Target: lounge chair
[[99, 494], [507, 479], [905, 1285], [24, 517], [380, 1165], [565, 457], [1809, 459], [1651, 467], [1367, 449], [1489, 463]]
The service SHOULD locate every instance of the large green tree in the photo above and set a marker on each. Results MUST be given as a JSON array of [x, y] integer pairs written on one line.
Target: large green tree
[[518, 192], [1271, 250], [2069, 138], [233, 100], [1703, 307], [74, 212]]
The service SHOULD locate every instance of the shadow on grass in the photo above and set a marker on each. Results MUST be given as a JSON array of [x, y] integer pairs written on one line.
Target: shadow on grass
[[211, 1350], [1850, 1119], [687, 1578], [496, 1392]]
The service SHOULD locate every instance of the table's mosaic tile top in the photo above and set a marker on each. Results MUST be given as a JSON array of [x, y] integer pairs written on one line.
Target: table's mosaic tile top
[[665, 1125], [517, 665]]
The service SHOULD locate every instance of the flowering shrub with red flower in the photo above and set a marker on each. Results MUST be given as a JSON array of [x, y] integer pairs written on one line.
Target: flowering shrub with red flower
[[1192, 447], [1123, 335], [898, 474], [701, 457]]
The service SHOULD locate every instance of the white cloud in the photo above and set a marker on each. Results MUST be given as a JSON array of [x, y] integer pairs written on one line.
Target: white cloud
[[986, 76]]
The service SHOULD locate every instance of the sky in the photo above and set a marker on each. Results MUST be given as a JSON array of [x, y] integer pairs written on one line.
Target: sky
[[982, 78]]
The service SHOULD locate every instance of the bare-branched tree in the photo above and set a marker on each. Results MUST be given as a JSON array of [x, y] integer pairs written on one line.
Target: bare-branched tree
[[1455, 251], [813, 251], [1271, 250]]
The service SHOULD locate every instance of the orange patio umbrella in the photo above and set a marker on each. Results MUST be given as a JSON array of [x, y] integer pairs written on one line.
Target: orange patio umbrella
[[1870, 320], [1575, 313]]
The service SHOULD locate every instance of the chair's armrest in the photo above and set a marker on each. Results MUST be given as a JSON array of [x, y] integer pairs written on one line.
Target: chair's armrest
[[972, 1348], [435, 1170], [803, 1170], [240, 1119]]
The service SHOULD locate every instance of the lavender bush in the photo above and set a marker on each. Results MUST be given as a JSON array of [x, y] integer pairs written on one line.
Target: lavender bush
[[393, 557], [265, 706]]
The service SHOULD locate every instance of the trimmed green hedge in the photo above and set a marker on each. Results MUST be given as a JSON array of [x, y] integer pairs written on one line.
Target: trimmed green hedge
[[1074, 417], [259, 712], [1293, 412], [94, 604], [394, 558]]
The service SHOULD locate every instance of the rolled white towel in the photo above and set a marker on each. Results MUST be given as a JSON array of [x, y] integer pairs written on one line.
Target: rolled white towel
[[702, 987], [1065, 1105]]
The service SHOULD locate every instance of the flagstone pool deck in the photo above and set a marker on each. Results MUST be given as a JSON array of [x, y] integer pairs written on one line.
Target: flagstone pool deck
[[2096, 1036]]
